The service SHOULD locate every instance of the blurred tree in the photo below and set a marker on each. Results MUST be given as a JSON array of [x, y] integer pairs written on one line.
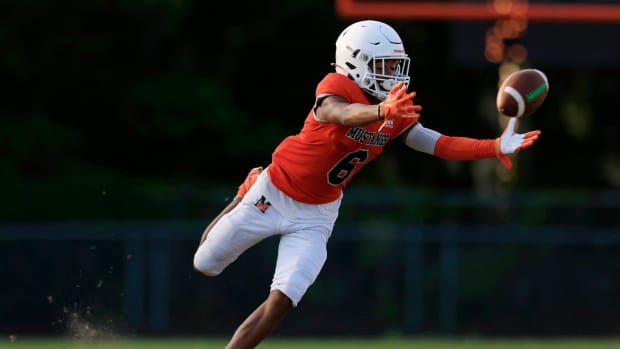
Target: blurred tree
[[175, 93]]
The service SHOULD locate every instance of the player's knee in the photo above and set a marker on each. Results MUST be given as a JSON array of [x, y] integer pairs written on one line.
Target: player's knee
[[205, 267], [280, 301], [206, 272]]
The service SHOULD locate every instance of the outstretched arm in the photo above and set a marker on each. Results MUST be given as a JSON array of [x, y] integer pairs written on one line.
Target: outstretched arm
[[337, 110], [464, 148]]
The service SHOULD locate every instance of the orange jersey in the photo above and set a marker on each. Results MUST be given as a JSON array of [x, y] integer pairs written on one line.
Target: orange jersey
[[314, 165]]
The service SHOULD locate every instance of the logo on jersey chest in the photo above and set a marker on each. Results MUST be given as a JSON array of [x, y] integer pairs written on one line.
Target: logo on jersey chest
[[363, 136], [262, 204]]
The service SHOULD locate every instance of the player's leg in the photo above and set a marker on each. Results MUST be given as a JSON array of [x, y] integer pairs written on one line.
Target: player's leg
[[241, 191], [261, 322], [235, 232], [301, 256], [232, 204]]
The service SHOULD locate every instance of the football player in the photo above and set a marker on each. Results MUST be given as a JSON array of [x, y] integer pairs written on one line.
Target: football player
[[358, 109]]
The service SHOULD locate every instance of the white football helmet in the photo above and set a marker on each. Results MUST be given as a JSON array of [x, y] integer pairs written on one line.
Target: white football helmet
[[364, 47]]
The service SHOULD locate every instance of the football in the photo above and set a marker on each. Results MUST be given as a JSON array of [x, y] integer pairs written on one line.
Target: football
[[522, 93]]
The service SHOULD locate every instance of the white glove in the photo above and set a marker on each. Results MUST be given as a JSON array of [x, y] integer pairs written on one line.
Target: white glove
[[511, 143]]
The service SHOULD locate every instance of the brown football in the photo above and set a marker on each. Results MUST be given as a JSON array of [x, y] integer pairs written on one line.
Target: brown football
[[522, 93]]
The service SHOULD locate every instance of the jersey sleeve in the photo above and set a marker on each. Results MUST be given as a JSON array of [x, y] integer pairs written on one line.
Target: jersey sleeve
[[464, 148], [339, 85]]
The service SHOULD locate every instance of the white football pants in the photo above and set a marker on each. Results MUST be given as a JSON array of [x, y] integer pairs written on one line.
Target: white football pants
[[266, 211]]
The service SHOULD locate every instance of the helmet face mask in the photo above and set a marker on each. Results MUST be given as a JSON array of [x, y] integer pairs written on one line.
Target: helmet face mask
[[372, 54], [388, 72]]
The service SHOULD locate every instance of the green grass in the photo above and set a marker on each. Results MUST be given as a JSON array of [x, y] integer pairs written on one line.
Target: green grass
[[308, 343]]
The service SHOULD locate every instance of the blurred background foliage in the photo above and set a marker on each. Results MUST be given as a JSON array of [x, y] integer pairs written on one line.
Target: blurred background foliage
[[134, 110], [139, 102]]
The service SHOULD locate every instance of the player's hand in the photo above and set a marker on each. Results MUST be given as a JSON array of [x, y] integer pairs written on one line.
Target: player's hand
[[511, 143], [399, 103], [249, 180]]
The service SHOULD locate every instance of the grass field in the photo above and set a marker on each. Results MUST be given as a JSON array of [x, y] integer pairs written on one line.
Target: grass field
[[307, 343]]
